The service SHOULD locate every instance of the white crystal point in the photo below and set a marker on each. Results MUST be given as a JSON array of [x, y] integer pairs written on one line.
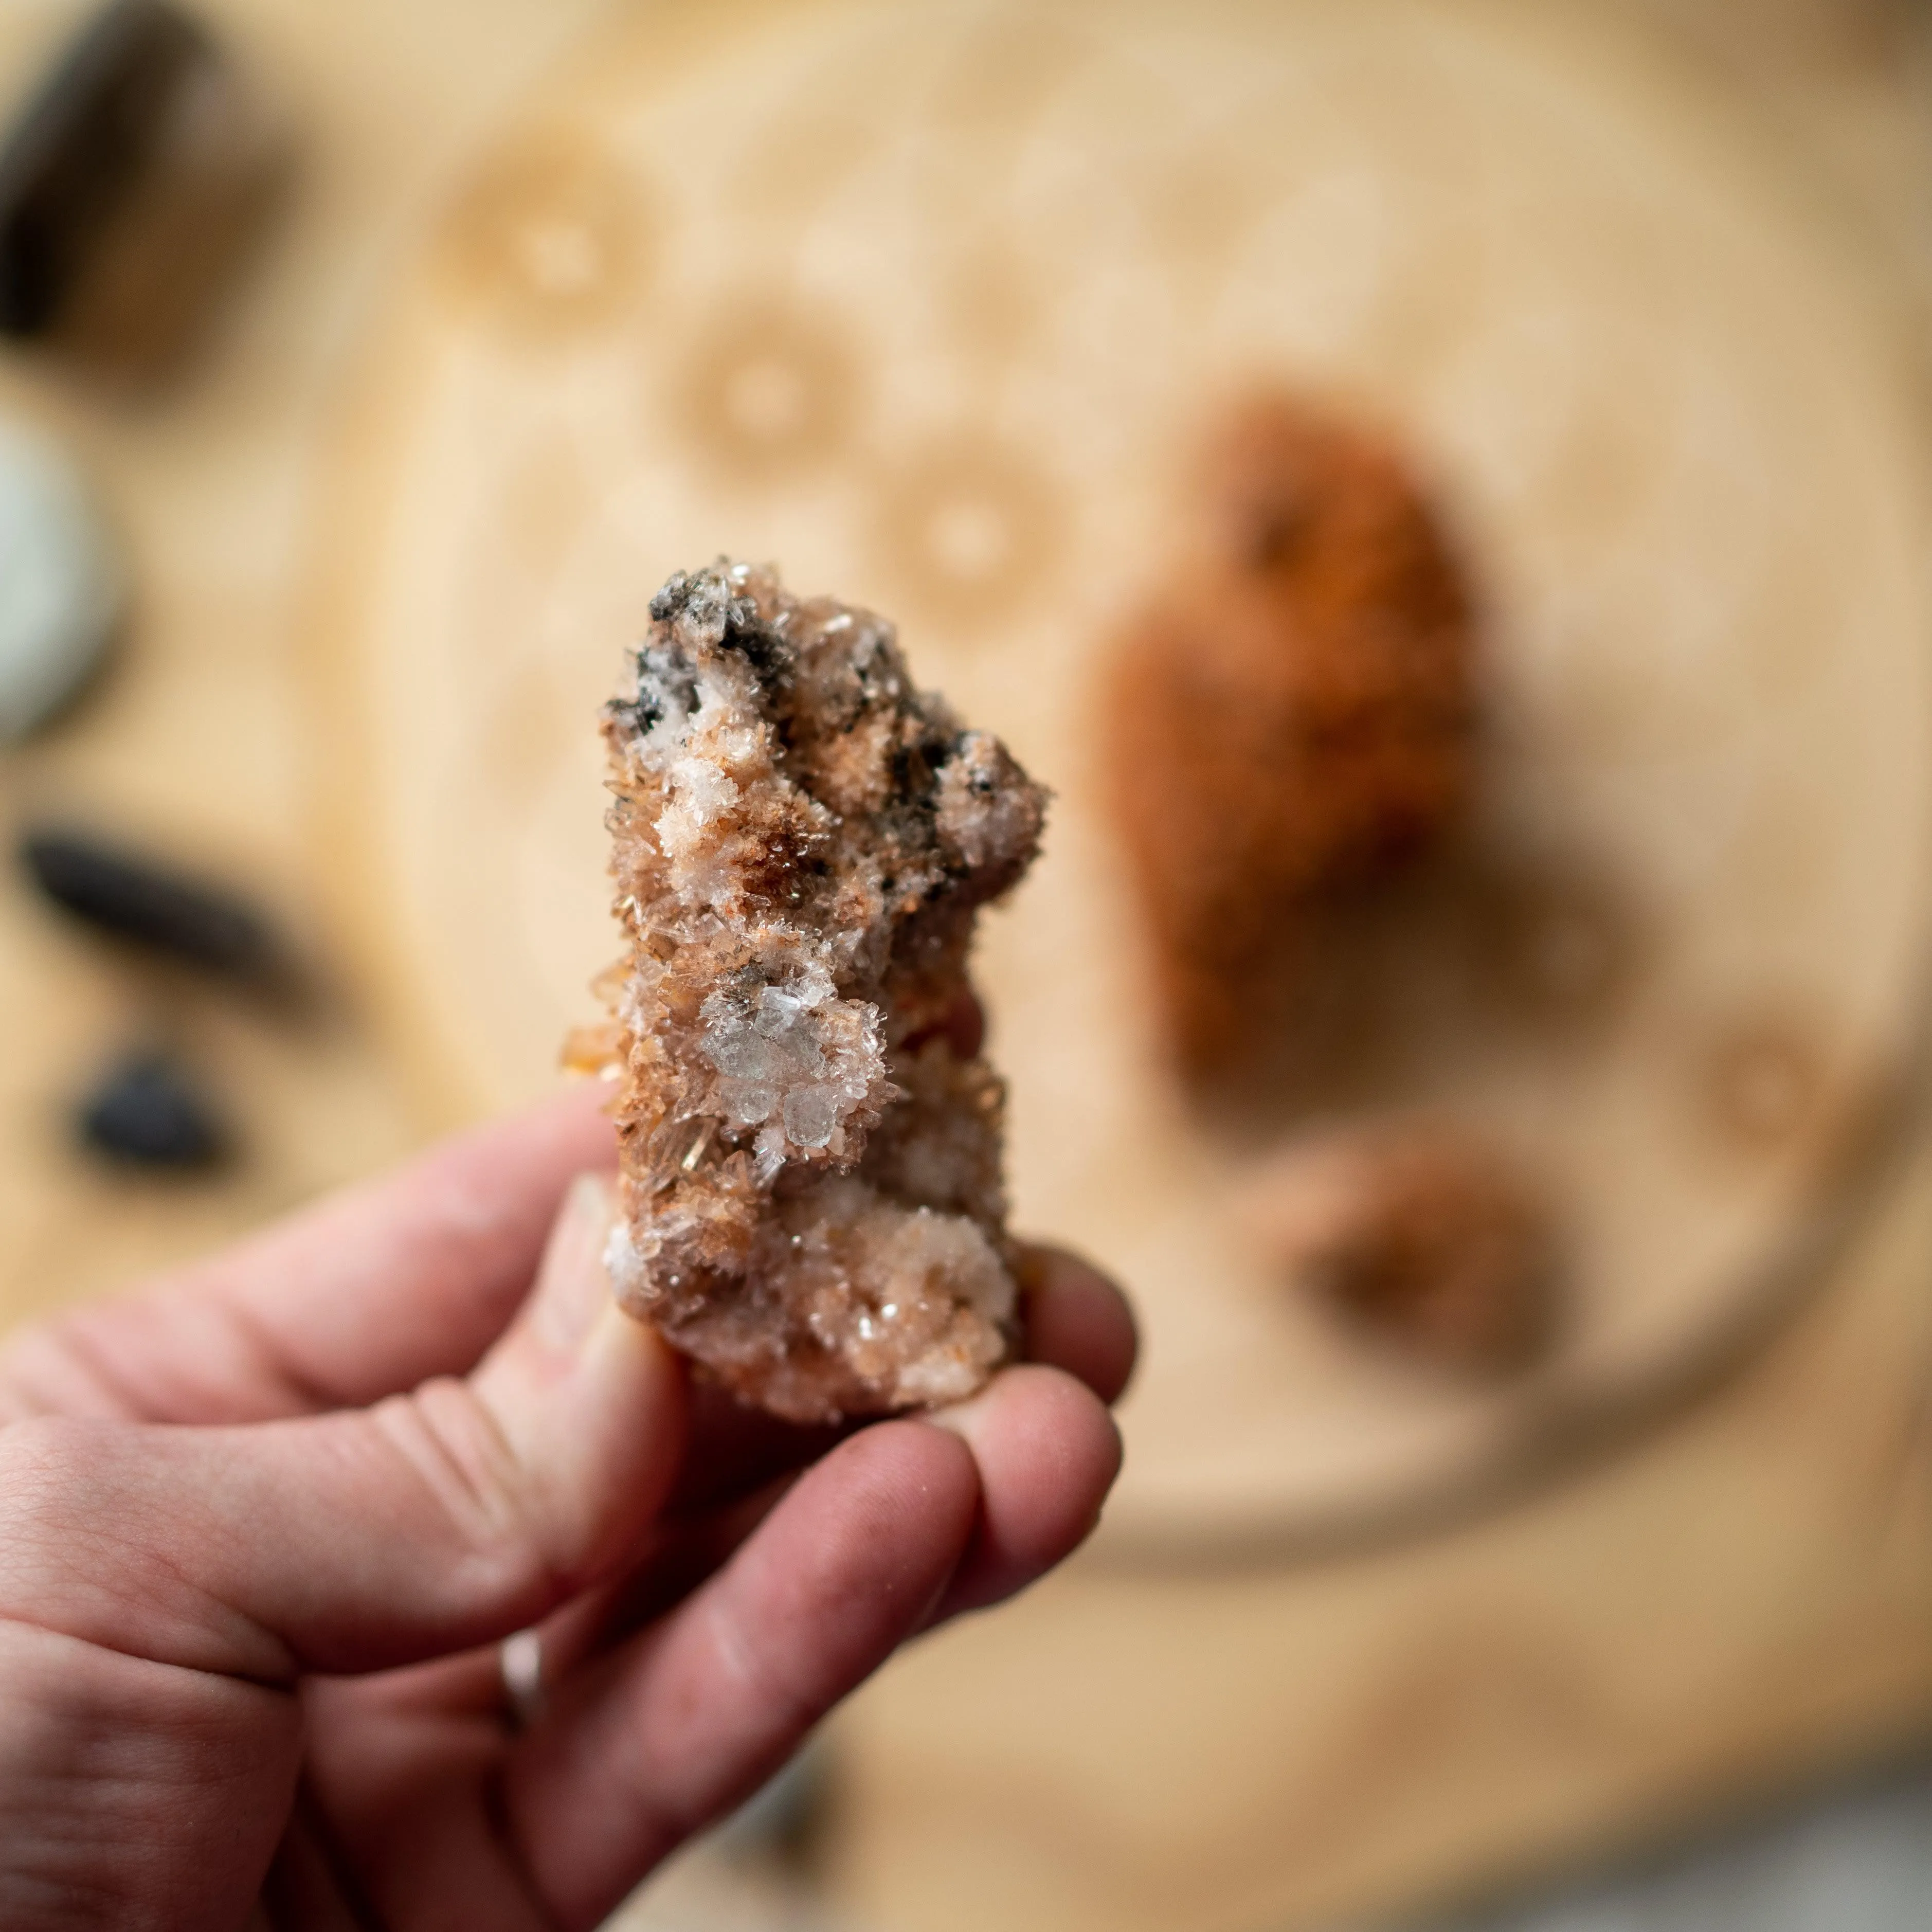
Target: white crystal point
[[61, 584]]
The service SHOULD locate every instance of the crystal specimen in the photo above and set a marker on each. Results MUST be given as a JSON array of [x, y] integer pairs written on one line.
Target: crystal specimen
[[1421, 1234], [1292, 716], [811, 1182]]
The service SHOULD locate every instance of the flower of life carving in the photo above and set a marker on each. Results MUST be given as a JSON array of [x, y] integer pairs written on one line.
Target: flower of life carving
[[919, 302]]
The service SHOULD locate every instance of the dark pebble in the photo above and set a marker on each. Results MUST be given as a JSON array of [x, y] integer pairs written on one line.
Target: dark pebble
[[148, 1113], [152, 906], [75, 160]]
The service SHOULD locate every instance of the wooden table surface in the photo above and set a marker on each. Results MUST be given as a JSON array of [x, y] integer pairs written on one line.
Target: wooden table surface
[[1742, 1600]]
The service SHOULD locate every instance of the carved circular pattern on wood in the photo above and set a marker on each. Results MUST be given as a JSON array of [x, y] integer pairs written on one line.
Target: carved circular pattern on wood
[[918, 302]]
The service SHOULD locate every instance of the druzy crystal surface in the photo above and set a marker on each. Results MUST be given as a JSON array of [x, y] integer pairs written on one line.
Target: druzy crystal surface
[[810, 1138]]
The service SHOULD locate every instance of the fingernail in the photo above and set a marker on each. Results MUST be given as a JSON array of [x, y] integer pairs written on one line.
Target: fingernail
[[611, 1344], [573, 1283], [596, 1420], [961, 1418]]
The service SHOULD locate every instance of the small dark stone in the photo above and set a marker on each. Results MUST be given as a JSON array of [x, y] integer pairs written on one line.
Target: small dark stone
[[148, 1113], [76, 156], [152, 906]]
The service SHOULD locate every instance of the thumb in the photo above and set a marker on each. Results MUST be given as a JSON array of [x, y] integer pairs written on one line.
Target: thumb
[[437, 1520]]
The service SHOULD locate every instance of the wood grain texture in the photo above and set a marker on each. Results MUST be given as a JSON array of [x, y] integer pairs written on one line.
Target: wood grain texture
[[1743, 1598], [1741, 1604]]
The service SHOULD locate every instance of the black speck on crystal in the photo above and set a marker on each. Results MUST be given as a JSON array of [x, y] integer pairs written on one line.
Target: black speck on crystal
[[672, 598], [767, 651], [636, 714]]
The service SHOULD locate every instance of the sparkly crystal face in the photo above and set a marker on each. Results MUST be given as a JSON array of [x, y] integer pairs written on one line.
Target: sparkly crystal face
[[813, 1206]]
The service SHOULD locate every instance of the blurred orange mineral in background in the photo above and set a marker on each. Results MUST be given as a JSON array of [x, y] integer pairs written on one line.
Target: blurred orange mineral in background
[[1292, 713]]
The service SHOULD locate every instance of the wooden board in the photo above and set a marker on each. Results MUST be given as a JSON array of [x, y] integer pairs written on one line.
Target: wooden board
[[920, 303], [1650, 1650], [1743, 1600]]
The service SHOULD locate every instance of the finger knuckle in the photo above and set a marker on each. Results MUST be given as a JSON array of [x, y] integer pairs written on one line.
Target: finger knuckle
[[455, 1449], [47, 1459], [55, 1472]]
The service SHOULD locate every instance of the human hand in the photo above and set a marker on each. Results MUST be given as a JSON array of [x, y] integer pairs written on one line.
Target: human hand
[[265, 1525]]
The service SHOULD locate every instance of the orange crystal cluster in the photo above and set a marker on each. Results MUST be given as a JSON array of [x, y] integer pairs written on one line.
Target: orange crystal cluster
[[810, 1141], [1293, 715]]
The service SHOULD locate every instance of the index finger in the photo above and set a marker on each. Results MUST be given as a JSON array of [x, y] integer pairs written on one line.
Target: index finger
[[367, 1293]]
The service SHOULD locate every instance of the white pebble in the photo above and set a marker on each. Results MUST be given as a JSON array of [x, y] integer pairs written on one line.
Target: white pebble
[[61, 585]]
